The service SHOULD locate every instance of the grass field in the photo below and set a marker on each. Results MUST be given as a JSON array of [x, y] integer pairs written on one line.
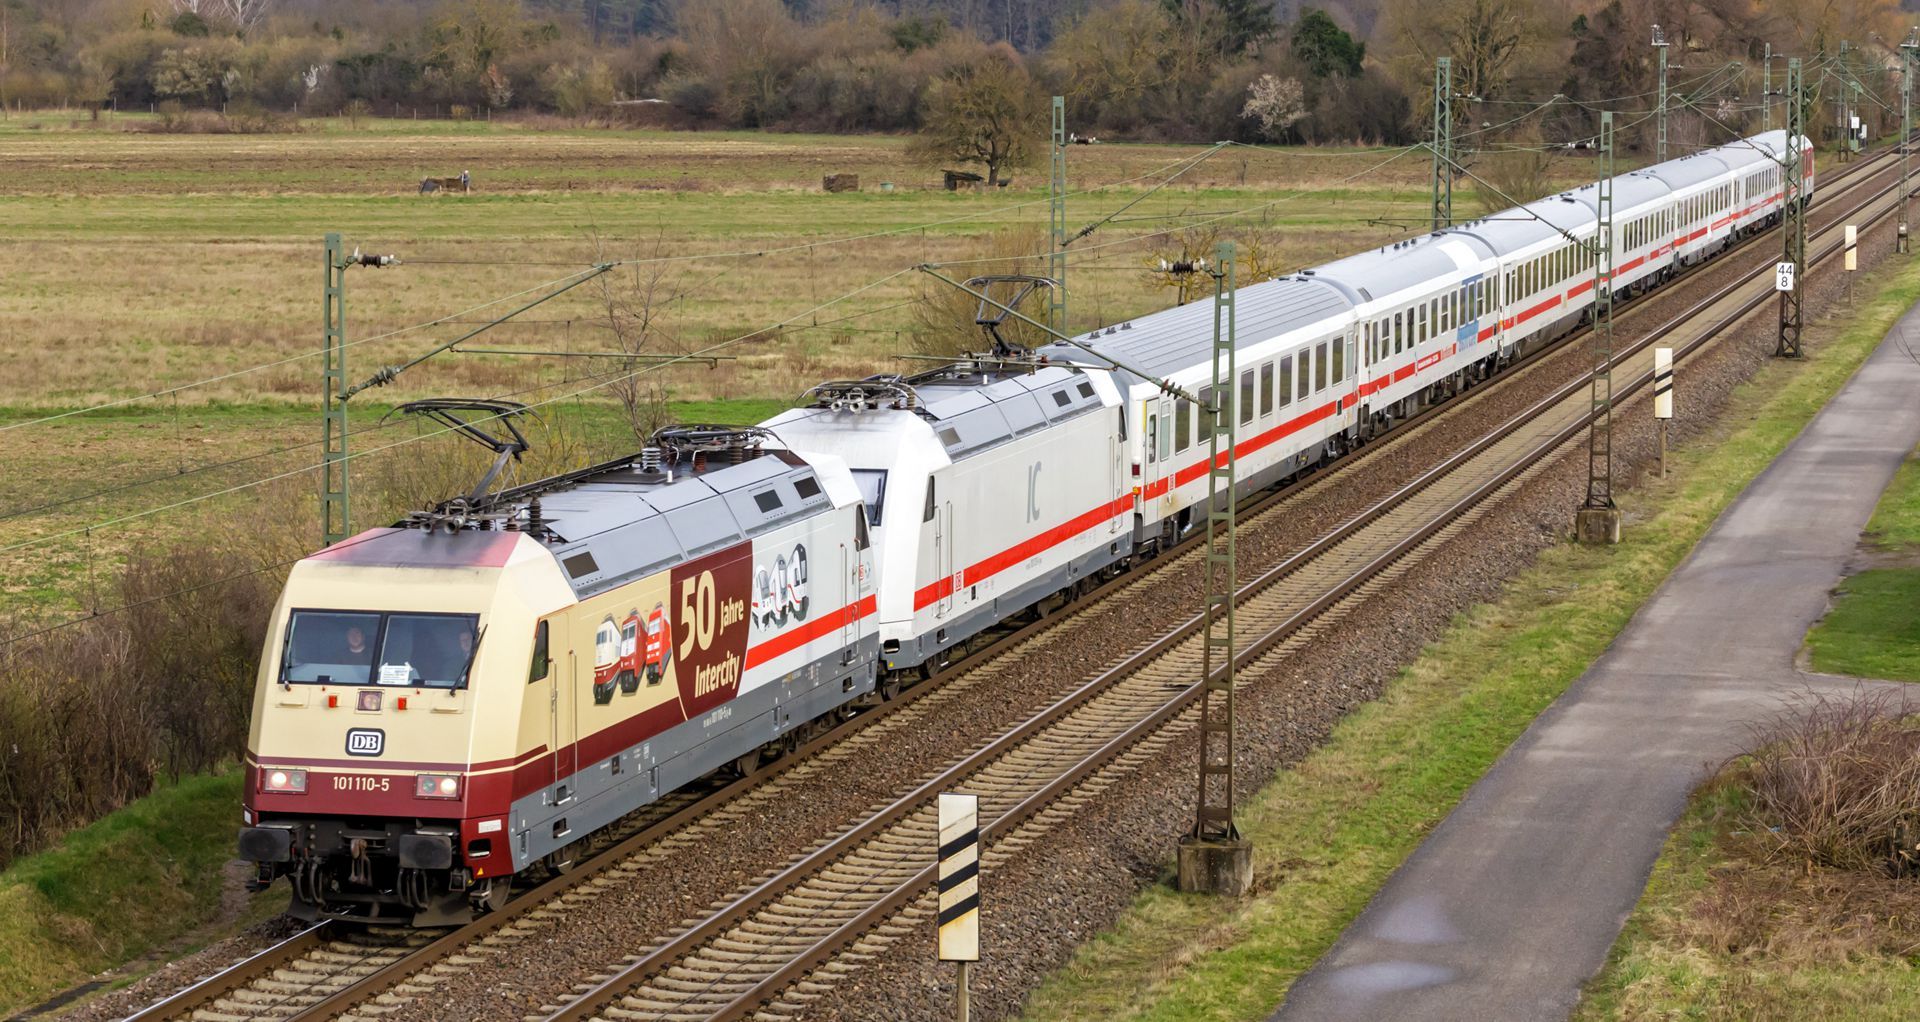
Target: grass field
[[1334, 827], [1873, 629], [137, 260], [137, 263]]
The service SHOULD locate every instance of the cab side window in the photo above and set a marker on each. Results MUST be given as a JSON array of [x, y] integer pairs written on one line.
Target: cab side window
[[541, 662]]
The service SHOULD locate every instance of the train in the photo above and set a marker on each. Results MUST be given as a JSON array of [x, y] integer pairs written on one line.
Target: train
[[463, 698]]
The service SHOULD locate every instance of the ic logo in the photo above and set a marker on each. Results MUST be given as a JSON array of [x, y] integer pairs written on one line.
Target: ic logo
[[366, 741]]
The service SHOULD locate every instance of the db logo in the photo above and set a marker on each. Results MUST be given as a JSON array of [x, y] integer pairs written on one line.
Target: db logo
[[366, 741]]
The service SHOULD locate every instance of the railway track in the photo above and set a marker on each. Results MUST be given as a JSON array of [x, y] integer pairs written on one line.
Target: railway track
[[329, 973], [770, 952]]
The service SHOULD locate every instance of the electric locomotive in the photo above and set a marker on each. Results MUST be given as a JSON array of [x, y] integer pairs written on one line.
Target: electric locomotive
[[450, 701]]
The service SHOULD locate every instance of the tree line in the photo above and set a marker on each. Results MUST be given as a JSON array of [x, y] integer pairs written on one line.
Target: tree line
[[1248, 70]]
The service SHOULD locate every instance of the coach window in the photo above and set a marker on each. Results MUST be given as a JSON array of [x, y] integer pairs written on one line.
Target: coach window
[[1182, 424], [1399, 327], [1339, 361], [1152, 436], [1286, 381], [1320, 366], [1246, 396], [538, 669], [1266, 389]]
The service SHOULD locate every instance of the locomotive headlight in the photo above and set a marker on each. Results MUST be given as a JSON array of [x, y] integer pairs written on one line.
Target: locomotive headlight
[[436, 785], [288, 782]]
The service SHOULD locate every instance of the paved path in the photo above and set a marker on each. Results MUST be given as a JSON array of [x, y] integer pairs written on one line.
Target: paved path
[[1514, 900]]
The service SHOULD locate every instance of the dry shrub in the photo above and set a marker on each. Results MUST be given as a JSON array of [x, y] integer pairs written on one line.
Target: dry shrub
[[242, 118], [944, 318], [1509, 176], [94, 713], [1257, 256], [1831, 781]]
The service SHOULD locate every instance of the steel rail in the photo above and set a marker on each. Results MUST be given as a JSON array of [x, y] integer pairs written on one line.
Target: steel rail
[[233, 977], [604, 994]]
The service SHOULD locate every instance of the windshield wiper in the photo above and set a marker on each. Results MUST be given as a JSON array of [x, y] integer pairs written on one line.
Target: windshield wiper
[[467, 668]]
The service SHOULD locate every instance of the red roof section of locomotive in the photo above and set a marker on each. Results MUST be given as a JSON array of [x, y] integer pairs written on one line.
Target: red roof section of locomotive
[[418, 548]]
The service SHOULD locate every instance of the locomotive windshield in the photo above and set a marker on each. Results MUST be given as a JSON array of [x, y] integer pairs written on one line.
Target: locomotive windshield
[[335, 647]]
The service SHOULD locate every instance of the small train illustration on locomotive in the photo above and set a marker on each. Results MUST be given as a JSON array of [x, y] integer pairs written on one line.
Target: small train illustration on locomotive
[[463, 698]]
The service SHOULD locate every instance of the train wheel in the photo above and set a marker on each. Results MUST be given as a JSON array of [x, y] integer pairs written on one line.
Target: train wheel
[[561, 860], [747, 762], [489, 895]]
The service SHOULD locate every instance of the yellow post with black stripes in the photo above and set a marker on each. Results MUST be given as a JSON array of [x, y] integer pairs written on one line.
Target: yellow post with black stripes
[[959, 887]]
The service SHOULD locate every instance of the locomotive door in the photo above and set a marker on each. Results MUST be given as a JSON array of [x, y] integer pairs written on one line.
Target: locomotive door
[[853, 590], [943, 544], [560, 738]]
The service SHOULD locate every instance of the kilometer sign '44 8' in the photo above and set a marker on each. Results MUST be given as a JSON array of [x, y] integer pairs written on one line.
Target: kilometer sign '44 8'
[[709, 614]]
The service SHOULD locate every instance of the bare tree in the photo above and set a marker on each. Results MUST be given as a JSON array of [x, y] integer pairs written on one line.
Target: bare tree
[[243, 13], [1256, 258], [984, 111], [636, 300]]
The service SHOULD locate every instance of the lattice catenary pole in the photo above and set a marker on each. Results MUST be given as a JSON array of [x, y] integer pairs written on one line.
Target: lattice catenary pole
[[1442, 143], [1600, 430], [1907, 66], [1766, 91], [1660, 132], [336, 518], [1793, 222], [1213, 815], [1057, 195]]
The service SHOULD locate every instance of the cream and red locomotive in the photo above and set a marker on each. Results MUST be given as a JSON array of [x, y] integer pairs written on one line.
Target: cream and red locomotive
[[446, 703]]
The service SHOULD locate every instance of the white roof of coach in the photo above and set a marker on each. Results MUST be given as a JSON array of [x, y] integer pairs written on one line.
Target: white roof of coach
[[1165, 342], [1689, 170]]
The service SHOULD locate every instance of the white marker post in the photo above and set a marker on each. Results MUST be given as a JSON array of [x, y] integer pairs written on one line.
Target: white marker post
[[1783, 274], [1663, 398], [1853, 258], [959, 886]]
